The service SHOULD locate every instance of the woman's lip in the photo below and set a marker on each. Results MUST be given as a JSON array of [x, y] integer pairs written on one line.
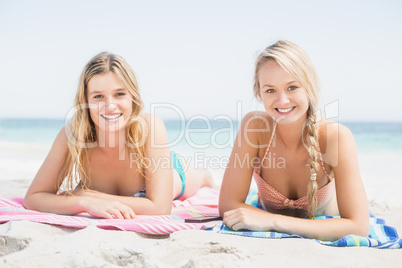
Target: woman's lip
[[111, 116], [285, 111]]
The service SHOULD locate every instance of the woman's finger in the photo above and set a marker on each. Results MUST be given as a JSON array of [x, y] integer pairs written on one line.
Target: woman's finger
[[229, 222], [128, 213], [233, 220], [229, 213], [103, 214], [132, 214], [117, 214]]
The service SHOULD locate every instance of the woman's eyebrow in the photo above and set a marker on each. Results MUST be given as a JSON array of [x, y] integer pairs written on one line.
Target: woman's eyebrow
[[98, 91], [95, 92], [291, 82], [288, 83]]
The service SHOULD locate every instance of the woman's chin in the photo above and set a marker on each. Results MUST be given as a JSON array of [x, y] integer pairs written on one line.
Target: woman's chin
[[112, 128]]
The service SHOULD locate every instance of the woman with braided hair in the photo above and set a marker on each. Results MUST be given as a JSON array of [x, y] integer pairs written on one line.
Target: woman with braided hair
[[294, 157]]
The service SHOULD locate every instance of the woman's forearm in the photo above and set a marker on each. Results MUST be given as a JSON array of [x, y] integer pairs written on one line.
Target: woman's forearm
[[242, 216], [52, 203], [140, 205], [325, 229]]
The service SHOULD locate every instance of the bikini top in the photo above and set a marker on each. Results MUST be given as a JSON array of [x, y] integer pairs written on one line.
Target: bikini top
[[271, 198]]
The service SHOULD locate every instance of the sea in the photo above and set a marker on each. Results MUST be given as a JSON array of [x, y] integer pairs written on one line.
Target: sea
[[24, 144], [202, 135]]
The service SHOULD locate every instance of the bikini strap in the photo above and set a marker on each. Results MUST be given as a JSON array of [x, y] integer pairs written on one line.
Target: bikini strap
[[322, 161], [269, 146], [323, 167]]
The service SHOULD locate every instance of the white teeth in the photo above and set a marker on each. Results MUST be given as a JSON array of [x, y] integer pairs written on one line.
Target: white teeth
[[114, 116], [285, 110]]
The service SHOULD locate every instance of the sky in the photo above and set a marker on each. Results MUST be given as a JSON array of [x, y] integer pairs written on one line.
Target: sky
[[196, 58]]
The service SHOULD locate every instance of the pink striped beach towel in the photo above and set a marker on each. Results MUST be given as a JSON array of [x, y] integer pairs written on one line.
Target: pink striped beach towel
[[204, 203]]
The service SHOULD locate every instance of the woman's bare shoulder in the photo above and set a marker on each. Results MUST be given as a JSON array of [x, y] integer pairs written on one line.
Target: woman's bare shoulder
[[257, 120], [332, 136], [65, 135], [256, 128], [151, 120], [329, 129], [154, 127]]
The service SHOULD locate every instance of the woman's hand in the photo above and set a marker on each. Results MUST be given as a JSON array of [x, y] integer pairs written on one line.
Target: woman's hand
[[107, 209], [248, 218]]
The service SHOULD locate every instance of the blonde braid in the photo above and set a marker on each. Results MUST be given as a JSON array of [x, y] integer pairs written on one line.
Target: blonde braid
[[313, 150]]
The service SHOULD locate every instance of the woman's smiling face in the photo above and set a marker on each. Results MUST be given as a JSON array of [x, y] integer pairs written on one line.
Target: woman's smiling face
[[283, 96], [110, 103]]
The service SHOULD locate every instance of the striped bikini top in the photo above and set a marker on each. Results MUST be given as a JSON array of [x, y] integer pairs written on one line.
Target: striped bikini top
[[271, 198]]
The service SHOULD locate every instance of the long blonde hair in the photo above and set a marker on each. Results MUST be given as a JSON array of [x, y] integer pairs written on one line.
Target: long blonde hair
[[81, 129], [297, 63]]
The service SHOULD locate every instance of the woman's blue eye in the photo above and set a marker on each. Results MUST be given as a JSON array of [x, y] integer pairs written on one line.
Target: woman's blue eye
[[120, 94], [292, 88], [270, 90], [97, 96]]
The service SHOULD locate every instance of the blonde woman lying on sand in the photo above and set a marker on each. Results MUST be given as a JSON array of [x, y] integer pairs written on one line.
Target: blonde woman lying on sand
[[113, 160], [293, 157]]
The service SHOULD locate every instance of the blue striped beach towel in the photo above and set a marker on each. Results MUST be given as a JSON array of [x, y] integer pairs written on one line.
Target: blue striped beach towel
[[380, 235]]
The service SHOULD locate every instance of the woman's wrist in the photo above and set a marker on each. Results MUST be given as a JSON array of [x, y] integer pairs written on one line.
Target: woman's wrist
[[273, 222], [83, 203]]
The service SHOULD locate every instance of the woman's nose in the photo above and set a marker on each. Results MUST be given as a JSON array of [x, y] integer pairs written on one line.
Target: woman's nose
[[111, 107], [283, 98]]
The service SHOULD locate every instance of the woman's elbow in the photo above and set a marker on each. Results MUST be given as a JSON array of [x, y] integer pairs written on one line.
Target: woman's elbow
[[27, 203], [166, 211], [161, 209], [363, 229]]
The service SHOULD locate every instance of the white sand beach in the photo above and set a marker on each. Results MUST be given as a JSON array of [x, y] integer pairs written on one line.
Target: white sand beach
[[28, 244]]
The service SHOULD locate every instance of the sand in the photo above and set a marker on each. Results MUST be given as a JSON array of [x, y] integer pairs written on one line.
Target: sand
[[28, 244]]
